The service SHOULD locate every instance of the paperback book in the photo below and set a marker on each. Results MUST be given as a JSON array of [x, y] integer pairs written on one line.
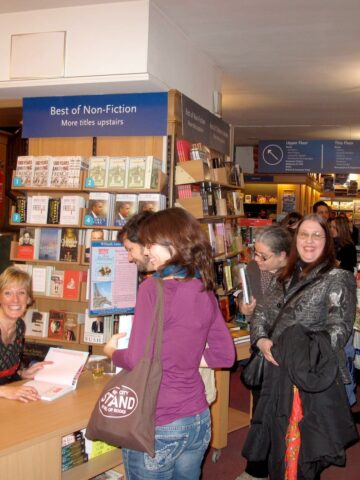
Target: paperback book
[[26, 245], [37, 209], [49, 244], [36, 323], [56, 324], [117, 172], [126, 205], [42, 171], [136, 172], [69, 245], [24, 170], [152, 174], [100, 209], [98, 168], [61, 375], [151, 202], [71, 206]]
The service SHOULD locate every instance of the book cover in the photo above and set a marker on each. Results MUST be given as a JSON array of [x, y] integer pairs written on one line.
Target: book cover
[[93, 235], [183, 148], [153, 169], [77, 164], [61, 375], [57, 284], [56, 324], [71, 206], [136, 172], [21, 208], [126, 205], [40, 277], [36, 323], [72, 282], [117, 172], [49, 244], [71, 327], [98, 168], [37, 211], [42, 171], [54, 211], [69, 245], [99, 211], [25, 248], [94, 329], [24, 170], [245, 284], [60, 172], [151, 202]]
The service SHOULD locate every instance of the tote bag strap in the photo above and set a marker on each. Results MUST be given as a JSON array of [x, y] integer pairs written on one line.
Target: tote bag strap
[[157, 324]]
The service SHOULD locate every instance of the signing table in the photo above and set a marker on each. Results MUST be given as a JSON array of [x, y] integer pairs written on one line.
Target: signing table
[[30, 438]]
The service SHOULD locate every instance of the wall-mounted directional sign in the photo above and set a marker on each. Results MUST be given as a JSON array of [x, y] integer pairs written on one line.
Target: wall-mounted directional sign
[[302, 156]]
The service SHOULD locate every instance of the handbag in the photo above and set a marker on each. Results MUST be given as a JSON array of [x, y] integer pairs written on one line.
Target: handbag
[[124, 414], [253, 373]]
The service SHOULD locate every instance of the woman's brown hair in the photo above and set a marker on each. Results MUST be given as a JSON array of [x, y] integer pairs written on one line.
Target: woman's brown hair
[[191, 250], [327, 257], [343, 230]]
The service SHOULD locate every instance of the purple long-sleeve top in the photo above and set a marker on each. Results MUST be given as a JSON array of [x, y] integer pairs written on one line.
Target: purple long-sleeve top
[[192, 321]]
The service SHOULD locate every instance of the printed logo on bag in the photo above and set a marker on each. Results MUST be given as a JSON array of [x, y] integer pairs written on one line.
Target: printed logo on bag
[[118, 402]]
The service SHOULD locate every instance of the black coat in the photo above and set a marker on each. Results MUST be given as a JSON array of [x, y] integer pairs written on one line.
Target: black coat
[[306, 360]]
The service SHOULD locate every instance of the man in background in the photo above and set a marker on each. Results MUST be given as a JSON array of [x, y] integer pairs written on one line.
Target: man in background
[[128, 235], [321, 208]]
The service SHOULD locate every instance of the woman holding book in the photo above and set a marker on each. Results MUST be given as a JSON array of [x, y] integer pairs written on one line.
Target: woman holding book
[[272, 246], [15, 297], [194, 334], [301, 329]]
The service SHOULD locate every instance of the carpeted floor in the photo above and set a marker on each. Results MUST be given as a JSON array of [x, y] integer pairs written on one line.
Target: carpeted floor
[[231, 463]]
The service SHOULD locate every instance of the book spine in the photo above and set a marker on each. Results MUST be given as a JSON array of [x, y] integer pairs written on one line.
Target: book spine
[[54, 211], [21, 208]]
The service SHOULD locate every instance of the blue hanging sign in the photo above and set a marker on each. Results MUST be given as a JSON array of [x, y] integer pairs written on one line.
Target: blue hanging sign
[[133, 114], [302, 156]]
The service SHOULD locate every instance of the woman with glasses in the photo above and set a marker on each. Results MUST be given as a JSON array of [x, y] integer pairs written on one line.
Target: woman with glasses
[[272, 246], [344, 246], [309, 315]]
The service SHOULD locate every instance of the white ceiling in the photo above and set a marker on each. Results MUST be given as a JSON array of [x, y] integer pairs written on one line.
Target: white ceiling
[[291, 69]]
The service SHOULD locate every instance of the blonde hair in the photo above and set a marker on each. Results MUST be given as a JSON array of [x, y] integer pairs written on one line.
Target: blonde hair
[[19, 277]]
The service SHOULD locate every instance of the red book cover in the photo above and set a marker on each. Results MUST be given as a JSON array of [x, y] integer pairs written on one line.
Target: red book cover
[[183, 148], [72, 280], [56, 324]]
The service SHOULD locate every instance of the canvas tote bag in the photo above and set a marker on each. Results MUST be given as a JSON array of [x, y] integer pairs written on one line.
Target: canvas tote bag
[[124, 414]]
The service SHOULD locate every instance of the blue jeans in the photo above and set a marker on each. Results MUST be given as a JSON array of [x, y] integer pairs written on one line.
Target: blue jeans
[[180, 447]]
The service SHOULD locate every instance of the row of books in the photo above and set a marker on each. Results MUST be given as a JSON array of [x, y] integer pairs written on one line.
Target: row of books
[[77, 449], [124, 172], [102, 208], [107, 209], [101, 171], [47, 171], [42, 209], [55, 283], [65, 326], [55, 324], [227, 274], [50, 244], [225, 237]]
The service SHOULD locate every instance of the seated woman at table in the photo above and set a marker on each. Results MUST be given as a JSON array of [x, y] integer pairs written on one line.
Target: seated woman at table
[[15, 297]]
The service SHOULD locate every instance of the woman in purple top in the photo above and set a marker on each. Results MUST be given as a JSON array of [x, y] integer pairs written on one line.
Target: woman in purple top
[[194, 335]]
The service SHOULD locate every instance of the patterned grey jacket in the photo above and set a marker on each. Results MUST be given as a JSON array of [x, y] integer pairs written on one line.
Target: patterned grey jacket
[[320, 302]]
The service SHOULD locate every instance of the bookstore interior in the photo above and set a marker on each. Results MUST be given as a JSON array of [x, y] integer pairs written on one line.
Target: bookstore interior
[[67, 198]]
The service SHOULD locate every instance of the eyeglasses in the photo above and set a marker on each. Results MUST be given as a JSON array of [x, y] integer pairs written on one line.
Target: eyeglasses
[[315, 236], [262, 257]]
